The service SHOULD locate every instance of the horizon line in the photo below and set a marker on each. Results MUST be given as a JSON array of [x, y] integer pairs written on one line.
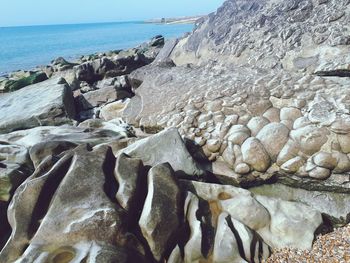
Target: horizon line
[[105, 22]]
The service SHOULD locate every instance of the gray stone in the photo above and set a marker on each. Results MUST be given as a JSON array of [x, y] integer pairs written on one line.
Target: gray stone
[[256, 124], [335, 205], [163, 197], [320, 173], [102, 96], [293, 165], [255, 155], [47, 103], [127, 172], [77, 210], [325, 160], [310, 138], [166, 146], [273, 137]]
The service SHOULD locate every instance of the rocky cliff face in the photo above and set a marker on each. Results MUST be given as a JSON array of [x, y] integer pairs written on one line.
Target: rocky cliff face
[[291, 35], [257, 97]]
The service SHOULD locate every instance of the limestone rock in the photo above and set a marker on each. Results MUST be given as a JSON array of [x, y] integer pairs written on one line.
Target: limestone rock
[[255, 155], [193, 247], [272, 114], [102, 96], [256, 124], [292, 225], [290, 114], [77, 210], [234, 242], [242, 168], [325, 160], [127, 172], [320, 173], [334, 205], [52, 105], [163, 196], [50, 148], [213, 145], [238, 134], [288, 152], [344, 141], [166, 146], [343, 162], [273, 137], [290, 26], [310, 138], [293, 165], [229, 155], [113, 110], [254, 215], [77, 135]]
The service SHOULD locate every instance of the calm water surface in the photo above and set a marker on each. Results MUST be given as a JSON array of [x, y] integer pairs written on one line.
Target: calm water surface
[[27, 47]]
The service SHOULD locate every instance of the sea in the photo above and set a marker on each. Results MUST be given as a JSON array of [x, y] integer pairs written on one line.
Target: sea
[[25, 47]]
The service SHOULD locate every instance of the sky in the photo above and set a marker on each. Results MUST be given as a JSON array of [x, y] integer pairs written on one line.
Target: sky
[[44, 12]]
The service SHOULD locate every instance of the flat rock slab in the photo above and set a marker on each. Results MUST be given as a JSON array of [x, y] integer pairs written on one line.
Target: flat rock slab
[[46, 103]]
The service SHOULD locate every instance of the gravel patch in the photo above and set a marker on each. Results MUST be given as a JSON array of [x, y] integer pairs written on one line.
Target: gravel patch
[[329, 248]]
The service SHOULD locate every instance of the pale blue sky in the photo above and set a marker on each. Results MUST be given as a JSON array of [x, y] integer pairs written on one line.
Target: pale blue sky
[[42, 12]]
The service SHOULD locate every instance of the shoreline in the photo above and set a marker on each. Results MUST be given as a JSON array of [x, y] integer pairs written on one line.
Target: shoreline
[[77, 50]]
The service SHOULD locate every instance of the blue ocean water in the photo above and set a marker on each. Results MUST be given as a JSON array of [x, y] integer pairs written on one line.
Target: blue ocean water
[[30, 46]]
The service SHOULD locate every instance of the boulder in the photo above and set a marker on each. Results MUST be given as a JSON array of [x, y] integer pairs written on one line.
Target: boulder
[[166, 146], [19, 83], [255, 155], [77, 211], [292, 224], [48, 148], [332, 204], [159, 220], [273, 137], [127, 172], [234, 242], [95, 70], [279, 223], [102, 96], [46, 103], [113, 110]]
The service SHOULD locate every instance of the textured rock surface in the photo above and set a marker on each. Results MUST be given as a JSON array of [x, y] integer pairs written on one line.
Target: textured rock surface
[[165, 147], [256, 96], [293, 35], [258, 69], [73, 204], [160, 218], [65, 192], [52, 104]]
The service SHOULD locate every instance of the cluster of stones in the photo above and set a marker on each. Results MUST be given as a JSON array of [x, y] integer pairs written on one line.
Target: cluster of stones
[[286, 129]]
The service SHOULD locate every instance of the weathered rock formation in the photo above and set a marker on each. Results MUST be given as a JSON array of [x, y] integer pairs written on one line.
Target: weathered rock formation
[[256, 97], [47, 103], [81, 203], [260, 93]]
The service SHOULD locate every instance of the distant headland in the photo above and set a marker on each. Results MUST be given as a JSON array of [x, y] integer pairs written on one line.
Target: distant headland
[[176, 20]]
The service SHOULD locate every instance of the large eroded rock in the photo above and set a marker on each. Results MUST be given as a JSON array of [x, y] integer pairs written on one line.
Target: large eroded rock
[[165, 147], [63, 213], [47, 103]]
